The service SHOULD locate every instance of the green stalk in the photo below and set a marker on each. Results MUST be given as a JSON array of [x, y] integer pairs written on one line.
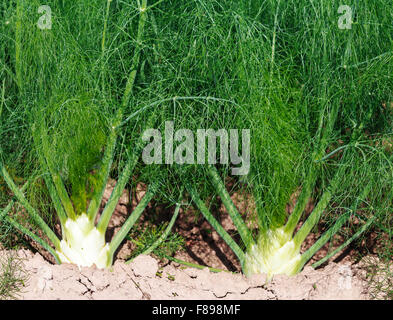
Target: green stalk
[[51, 187], [314, 217], [116, 194], [121, 183], [301, 202], [2, 98], [241, 226], [18, 43], [333, 152], [162, 238], [108, 5], [31, 211], [333, 230], [317, 212], [109, 151], [33, 236], [346, 243], [216, 225], [12, 202], [103, 175], [57, 181], [311, 179], [136, 58], [24, 230], [274, 41], [125, 229], [63, 195]]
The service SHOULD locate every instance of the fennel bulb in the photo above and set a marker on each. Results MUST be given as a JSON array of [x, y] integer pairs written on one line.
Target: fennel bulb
[[83, 244], [274, 253]]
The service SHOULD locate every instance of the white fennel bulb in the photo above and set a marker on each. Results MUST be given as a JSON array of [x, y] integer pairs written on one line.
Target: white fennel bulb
[[83, 244], [274, 253]]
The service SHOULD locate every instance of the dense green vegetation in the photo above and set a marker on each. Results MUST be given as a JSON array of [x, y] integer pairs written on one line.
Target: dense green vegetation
[[316, 98]]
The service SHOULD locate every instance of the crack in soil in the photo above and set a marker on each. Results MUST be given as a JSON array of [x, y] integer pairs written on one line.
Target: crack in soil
[[88, 290], [145, 295]]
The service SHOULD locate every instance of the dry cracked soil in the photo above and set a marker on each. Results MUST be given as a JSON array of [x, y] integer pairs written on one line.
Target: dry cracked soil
[[144, 279]]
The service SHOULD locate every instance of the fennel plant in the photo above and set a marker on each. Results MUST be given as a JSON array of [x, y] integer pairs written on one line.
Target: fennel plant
[[293, 146], [79, 144]]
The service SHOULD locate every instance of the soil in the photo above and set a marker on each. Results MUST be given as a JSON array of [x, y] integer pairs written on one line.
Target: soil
[[149, 278], [143, 279]]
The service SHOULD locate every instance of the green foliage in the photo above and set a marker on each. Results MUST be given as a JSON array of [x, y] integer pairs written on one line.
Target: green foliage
[[144, 237], [77, 134], [12, 276]]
